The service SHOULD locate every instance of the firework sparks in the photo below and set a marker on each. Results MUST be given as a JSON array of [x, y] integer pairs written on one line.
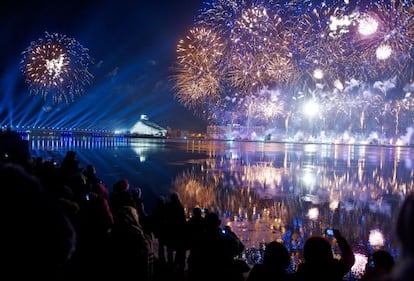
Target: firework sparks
[[322, 41], [199, 67], [220, 15], [358, 269], [56, 66], [332, 51], [385, 37], [259, 53], [367, 26], [267, 105]]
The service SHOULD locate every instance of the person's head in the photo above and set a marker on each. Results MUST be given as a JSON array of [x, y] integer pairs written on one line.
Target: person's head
[[276, 255], [90, 170], [160, 200], [175, 197], [70, 154], [99, 189], [121, 185], [136, 192], [317, 250], [405, 226], [197, 212], [382, 259], [212, 221]]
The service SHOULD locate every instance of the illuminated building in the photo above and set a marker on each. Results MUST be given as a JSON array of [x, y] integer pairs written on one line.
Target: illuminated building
[[144, 127]]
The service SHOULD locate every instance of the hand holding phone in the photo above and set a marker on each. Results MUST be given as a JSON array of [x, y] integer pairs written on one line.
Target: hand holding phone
[[329, 232]]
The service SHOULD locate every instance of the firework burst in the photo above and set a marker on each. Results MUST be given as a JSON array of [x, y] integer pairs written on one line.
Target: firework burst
[[56, 66], [267, 105], [258, 53], [385, 38], [199, 68], [334, 52], [322, 42], [220, 15]]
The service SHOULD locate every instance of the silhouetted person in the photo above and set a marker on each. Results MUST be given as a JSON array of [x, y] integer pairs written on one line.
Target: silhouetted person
[[276, 261], [136, 194], [38, 238], [404, 266], [320, 263], [379, 266], [131, 253], [120, 196], [195, 227], [214, 256], [158, 225], [69, 165], [175, 232], [94, 222], [72, 176], [91, 177]]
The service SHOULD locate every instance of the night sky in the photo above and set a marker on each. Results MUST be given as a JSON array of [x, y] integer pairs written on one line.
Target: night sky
[[132, 44]]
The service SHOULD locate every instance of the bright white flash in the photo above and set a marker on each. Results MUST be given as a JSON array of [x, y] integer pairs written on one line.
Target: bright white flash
[[313, 213], [55, 66], [338, 84], [318, 73], [311, 108], [383, 52], [376, 238], [337, 23], [333, 204], [367, 26], [309, 179]]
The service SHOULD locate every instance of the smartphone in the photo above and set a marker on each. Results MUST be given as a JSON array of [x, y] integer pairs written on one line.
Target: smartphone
[[329, 231]]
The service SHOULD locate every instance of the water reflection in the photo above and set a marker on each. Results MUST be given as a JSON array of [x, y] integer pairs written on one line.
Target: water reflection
[[288, 192], [266, 191]]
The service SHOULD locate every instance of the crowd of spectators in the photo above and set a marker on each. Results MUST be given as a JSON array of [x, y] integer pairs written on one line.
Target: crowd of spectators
[[61, 222]]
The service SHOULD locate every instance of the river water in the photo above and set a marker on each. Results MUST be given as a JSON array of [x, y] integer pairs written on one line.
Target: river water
[[263, 191]]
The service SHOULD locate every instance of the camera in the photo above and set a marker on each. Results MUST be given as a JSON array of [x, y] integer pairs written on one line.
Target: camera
[[329, 231]]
